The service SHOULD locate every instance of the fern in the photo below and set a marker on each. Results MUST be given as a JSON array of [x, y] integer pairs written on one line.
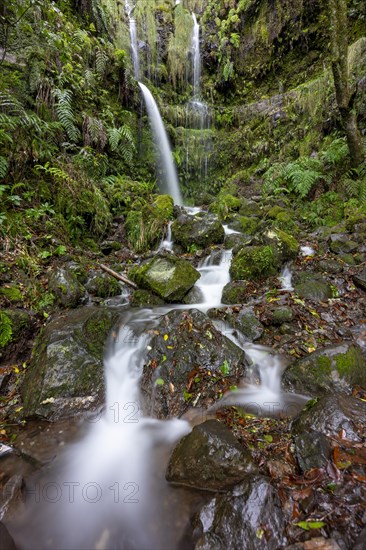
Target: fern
[[94, 132], [3, 167], [298, 177], [65, 114], [101, 60], [336, 153], [121, 141]]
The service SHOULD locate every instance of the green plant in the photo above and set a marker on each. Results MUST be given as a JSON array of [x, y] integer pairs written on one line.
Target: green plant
[[6, 329]]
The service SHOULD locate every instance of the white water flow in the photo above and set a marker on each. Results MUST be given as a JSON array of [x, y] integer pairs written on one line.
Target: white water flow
[[307, 251], [169, 179], [196, 56], [133, 40], [108, 491], [286, 279], [167, 242]]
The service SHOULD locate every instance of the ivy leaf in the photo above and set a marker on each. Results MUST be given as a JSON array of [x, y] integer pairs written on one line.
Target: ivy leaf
[[159, 382]]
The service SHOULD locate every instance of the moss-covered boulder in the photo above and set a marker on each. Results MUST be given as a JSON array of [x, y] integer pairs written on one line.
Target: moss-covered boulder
[[342, 244], [329, 369], [249, 208], [185, 349], [285, 245], [314, 288], [66, 288], [141, 298], [164, 205], [224, 205], [201, 230], [234, 292], [66, 370], [209, 458], [167, 276], [102, 285], [254, 262]]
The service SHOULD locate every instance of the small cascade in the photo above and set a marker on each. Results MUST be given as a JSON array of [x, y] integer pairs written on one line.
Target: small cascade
[[169, 177], [167, 242], [286, 279], [261, 394], [133, 40], [307, 251], [215, 275]]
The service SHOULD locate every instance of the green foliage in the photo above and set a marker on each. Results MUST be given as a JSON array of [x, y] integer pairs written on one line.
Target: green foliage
[[65, 113], [6, 330], [298, 177], [179, 46]]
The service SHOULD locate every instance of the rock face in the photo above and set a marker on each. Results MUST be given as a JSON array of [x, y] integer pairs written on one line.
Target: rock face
[[248, 517], [332, 414], [66, 371], [209, 458], [202, 230], [66, 288], [187, 341], [167, 276], [312, 450], [332, 368]]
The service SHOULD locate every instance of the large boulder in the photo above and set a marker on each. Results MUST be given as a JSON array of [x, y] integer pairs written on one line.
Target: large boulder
[[255, 262], [66, 370], [185, 349], [248, 517], [66, 288], [333, 415], [167, 276], [332, 368], [201, 230], [312, 450], [209, 458]]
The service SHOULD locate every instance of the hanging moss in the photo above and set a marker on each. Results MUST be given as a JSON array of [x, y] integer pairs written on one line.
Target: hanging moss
[[179, 46]]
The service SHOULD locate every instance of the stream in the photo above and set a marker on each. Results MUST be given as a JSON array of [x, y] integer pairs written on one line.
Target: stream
[[107, 489]]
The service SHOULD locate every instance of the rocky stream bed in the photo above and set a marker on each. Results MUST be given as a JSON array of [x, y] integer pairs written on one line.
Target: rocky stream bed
[[291, 477]]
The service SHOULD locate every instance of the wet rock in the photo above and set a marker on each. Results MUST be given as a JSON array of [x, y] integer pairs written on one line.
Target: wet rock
[[341, 243], [316, 289], [235, 240], [12, 498], [107, 247], [331, 415], [202, 230], [248, 324], [315, 543], [142, 298], [102, 285], [279, 315], [285, 245], [249, 208], [209, 458], [360, 279], [332, 368], [167, 276], [66, 370], [330, 266], [187, 341], [6, 540], [66, 288], [279, 468], [248, 517], [234, 292], [312, 450]]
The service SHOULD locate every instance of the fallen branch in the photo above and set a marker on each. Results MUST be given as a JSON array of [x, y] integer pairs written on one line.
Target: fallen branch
[[118, 276]]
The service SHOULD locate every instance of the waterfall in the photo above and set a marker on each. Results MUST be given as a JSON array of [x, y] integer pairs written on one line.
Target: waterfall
[[196, 57], [170, 182], [133, 40]]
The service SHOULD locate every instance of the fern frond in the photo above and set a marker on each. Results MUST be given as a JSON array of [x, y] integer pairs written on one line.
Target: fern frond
[[101, 60], [94, 132], [65, 114], [3, 167], [336, 153]]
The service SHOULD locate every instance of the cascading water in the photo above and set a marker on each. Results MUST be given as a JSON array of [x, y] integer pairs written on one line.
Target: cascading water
[[109, 490], [133, 40], [167, 242], [286, 279], [170, 182], [196, 57]]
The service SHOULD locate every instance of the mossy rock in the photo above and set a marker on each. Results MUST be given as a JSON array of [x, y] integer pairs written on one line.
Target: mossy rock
[[12, 293], [249, 208], [248, 324], [167, 276], [65, 287], [6, 329], [316, 290], [342, 244], [333, 368], [141, 298], [286, 246], [249, 225], [254, 262], [103, 285], [279, 315], [66, 372], [237, 241], [201, 230], [224, 205], [234, 292]]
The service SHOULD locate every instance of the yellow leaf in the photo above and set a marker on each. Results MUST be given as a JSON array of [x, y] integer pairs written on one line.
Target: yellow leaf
[[169, 347], [16, 370], [166, 337], [3, 432]]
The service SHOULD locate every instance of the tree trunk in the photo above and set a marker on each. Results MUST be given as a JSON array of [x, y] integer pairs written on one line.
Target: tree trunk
[[345, 99]]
